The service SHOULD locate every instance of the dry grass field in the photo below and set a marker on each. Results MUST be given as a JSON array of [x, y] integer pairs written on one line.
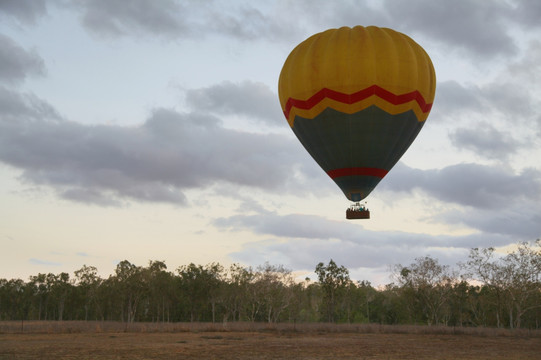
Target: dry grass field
[[103, 340]]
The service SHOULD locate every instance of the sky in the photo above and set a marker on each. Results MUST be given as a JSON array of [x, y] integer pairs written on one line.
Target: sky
[[151, 130]]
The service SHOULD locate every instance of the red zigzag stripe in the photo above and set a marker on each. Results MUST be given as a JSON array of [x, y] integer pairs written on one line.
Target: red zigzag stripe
[[356, 97]]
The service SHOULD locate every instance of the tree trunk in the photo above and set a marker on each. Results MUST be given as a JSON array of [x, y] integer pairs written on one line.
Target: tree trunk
[[60, 310]]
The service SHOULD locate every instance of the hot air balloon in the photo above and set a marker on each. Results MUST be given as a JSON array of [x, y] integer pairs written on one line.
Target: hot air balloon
[[356, 98]]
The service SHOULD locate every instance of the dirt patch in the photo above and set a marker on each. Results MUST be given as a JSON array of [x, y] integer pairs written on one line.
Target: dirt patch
[[265, 345]]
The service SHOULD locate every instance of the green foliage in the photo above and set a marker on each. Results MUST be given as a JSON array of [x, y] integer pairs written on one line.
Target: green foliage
[[335, 283], [492, 290]]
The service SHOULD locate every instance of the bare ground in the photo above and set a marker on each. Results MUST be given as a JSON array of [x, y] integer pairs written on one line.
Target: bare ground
[[269, 343]]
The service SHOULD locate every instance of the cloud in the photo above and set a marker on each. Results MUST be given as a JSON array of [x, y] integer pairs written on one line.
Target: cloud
[[454, 99], [310, 227], [291, 226], [528, 13], [243, 21], [177, 20], [301, 241], [14, 105], [528, 68], [318, 15], [494, 120], [17, 63], [477, 27], [512, 99], [23, 11], [474, 185], [486, 141], [497, 99], [369, 254], [156, 161], [526, 72], [519, 221], [42, 262], [253, 100], [120, 18]]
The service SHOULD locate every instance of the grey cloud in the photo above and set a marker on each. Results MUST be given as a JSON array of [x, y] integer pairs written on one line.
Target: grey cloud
[[157, 161], [356, 14], [254, 100], [302, 241], [293, 225], [525, 75], [528, 13], [177, 19], [17, 63], [118, 17], [488, 120], [507, 99], [99, 197], [527, 70], [246, 22], [502, 206], [479, 28], [475, 185], [306, 253], [513, 100], [23, 11], [487, 141], [14, 105], [245, 26], [475, 26], [318, 15], [454, 99], [495, 120], [310, 227], [35, 261], [519, 221]]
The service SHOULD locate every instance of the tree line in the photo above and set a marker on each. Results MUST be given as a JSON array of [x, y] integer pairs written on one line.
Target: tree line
[[485, 290]]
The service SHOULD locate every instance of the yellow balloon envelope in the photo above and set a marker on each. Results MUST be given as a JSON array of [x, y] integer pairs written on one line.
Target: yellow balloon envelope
[[356, 98]]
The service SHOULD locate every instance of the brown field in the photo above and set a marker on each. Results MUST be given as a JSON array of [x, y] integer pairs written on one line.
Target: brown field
[[111, 340]]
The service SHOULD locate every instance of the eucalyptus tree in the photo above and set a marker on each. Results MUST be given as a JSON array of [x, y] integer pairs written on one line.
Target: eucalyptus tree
[[334, 280], [161, 291], [88, 281], [367, 295], [129, 282], [41, 294], [61, 289], [214, 273], [431, 284], [272, 287], [15, 299], [235, 295], [482, 267], [199, 286], [522, 274], [514, 278]]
